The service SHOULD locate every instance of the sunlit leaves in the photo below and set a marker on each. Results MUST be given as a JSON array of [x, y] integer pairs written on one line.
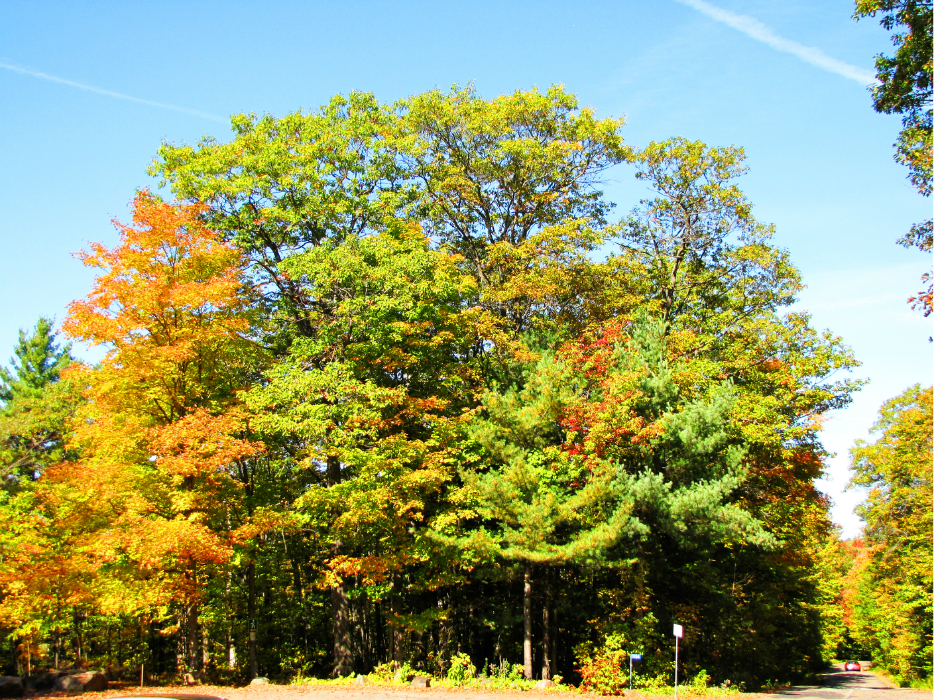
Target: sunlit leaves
[[893, 606]]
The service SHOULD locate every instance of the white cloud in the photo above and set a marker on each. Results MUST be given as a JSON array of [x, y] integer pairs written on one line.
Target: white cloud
[[753, 28], [109, 93]]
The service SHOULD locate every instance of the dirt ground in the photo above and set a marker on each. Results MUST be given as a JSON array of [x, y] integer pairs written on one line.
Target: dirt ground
[[355, 692], [313, 692]]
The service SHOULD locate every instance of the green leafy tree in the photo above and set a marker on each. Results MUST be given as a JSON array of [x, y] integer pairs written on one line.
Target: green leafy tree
[[904, 88], [709, 266], [37, 362], [281, 186], [361, 406], [529, 495], [894, 604], [720, 288], [496, 171]]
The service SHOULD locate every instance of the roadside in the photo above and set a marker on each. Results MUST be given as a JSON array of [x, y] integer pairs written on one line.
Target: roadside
[[836, 684], [365, 692]]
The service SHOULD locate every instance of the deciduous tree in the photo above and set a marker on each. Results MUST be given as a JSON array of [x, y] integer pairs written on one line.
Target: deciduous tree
[[894, 603], [904, 87]]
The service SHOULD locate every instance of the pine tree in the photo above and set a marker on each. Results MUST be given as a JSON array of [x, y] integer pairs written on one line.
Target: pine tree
[[34, 405], [37, 362]]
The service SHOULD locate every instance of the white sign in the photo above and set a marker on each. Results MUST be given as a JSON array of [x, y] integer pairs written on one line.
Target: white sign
[[679, 631]]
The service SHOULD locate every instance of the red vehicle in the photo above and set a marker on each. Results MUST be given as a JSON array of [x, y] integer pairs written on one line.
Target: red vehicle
[[852, 666]]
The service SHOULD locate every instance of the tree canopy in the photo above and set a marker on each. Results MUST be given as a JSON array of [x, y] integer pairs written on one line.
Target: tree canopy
[[389, 383], [893, 608], [904, 87]]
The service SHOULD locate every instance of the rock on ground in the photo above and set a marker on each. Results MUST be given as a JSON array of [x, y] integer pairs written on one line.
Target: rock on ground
[[92, 681], [11, 687]]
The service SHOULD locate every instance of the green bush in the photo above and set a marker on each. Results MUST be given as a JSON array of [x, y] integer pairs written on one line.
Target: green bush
[[700, 681], [461, 670]]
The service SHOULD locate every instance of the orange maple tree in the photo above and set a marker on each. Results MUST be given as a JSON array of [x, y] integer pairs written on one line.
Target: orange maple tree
[[162, 431]]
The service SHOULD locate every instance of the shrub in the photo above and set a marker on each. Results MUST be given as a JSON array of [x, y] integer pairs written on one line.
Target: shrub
[[700, 681], [604, 671], [461, 670]]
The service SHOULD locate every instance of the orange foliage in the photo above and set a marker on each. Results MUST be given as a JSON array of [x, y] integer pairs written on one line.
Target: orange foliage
[[162, 432]]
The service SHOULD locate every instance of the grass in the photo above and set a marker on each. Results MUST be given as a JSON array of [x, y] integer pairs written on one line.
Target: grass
[[478, 683], [643, 686], [913, 683], [689, 690]]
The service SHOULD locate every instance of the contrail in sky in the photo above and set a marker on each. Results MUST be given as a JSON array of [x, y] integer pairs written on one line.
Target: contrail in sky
[[110, 93], [752, 27]]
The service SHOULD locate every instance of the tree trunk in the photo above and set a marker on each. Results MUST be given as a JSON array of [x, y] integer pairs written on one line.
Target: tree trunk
[[340, 604], [527, 620], [343, 661], [192, 645], [395, 642], [180, 650], [555, 636], [251, 613], [78, 639], [231, 649], [546, 633], [205, 648]]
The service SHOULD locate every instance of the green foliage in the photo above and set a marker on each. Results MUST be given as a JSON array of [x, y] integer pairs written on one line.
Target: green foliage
[[708, 262], [37, 362], [894, 603], [700, 681], [461, 669], [425, 387], [35, 406], [497, 171], [904, 87]]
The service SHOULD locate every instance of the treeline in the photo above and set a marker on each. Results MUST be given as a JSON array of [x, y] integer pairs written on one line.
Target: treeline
[[889, 589], [388, 383]]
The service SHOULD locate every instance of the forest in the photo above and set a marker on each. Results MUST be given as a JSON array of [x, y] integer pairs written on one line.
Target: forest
[[392, 385]]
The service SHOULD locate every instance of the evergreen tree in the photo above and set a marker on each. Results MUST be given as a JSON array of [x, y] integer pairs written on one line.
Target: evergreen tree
[[35, 405], [37, 362]]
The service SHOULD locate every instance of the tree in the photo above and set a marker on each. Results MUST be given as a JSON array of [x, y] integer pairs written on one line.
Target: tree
[[374, 376], [594, 460], [35, 405], [361, 407], [285, 185], [37, 361], [708, 262], [894, 604], [316, 187], [719, 286], [904, 88], [528, 496], [498, 171], [148, 503]]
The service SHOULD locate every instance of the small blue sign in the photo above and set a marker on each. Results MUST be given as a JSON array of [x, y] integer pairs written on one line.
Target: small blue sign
[[636, 657]]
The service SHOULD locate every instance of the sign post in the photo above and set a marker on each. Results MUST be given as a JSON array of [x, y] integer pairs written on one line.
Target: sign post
[[679, 633], [633, 659]]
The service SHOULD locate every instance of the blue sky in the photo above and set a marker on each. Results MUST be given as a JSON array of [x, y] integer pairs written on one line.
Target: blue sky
[[783, 80]]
